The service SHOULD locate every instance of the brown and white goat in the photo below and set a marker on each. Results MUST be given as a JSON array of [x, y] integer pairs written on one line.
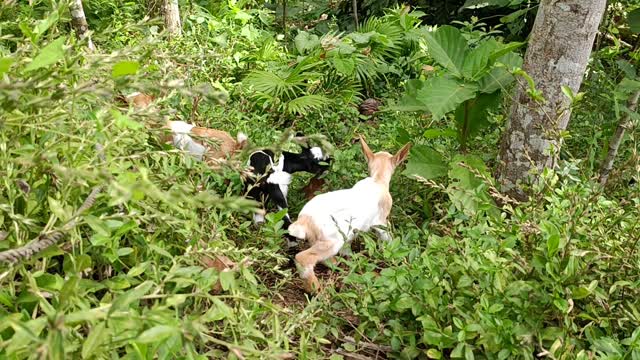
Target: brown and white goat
[[214, 146], [331, 219]]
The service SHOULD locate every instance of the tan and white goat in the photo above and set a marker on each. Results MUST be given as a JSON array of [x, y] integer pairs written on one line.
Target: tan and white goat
[[331, 219], [214, 145]]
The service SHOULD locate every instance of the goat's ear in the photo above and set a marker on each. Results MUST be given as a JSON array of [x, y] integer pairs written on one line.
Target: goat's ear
[[365, 149], [402, 154]]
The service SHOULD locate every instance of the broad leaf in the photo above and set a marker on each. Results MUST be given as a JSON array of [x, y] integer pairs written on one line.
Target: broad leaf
[[471, 116], [124, 300], [448, 47], [125, 68], [477, 60], [305, 41], [634, 20], [435, 133], [442, 95], [156, 334], [361, 38], [466, 190], [409, 101], [626, 67], [426, 163], [50, 54], [345, 66], [500, 77], [478, 4], [94, 340], [5, 64]]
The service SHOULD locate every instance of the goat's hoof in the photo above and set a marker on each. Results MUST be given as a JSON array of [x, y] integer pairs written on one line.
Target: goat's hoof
[[312, 287]]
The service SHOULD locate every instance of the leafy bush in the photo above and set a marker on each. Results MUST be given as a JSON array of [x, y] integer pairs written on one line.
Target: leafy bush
[[554, 277]]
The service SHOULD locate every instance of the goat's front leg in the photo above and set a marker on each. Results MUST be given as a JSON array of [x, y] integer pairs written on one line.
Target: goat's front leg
[[277, 196], [256, 193]]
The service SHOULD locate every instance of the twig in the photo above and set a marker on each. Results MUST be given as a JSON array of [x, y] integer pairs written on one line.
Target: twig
[[616, 140], [368, 345], [47, 239], [350, 355]]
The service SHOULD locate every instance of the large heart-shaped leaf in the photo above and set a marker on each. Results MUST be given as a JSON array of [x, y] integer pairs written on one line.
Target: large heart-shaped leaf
[[305, 41], [425, 163], [448, 47], [443, 94]]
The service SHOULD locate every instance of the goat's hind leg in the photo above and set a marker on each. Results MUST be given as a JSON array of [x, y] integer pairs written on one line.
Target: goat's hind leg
[[307, 260]]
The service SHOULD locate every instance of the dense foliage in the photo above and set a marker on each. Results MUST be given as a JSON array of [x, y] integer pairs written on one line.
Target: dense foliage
[[166, 263]]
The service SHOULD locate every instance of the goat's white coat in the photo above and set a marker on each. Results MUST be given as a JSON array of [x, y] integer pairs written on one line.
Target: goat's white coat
[[339, 214], [183, 141], [317, 153]]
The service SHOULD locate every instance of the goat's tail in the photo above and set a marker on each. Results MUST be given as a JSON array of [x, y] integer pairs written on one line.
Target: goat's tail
[[242, 140]]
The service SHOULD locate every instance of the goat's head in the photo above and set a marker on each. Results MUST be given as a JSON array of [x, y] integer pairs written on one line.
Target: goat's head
[[382, 164], [311, 160]]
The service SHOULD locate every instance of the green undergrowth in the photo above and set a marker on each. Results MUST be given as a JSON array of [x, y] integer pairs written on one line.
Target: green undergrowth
[[167, 264]]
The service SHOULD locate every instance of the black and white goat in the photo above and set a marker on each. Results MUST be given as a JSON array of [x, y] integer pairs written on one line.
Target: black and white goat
[[274, 176]]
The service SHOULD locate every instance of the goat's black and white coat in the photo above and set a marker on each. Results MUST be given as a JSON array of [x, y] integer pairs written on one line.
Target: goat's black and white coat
[[274, 176]]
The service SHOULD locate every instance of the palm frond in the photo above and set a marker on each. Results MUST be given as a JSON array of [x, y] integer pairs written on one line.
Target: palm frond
[[303, 104]]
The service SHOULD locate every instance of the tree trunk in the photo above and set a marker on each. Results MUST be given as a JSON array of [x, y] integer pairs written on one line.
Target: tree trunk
[[607, 165], [354, 5], [557, 55], [172, 17], [79, 22]]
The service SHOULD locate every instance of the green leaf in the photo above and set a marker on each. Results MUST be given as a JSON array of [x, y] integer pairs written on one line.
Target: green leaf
[[409, 101], [626, 67], [44, 24], [157, 334], [478, 4], [303, 104], [553, 242], [471, 116], [227, 279], [466, 190], [436, 133], [434, 354], [50, 54], [305, 41], [442, 95], [634, 21], [124, 300], [345, 66], [448, 47], [500, 77], [5, 64], [580, 292], [561, 304], [477, 60], [123, 122], [426, 163], [125, 68], [94, 340]]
